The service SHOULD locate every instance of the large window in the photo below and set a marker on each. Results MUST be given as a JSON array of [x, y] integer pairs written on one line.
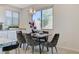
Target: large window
[[11, 18], [37, 19], [44, 19]]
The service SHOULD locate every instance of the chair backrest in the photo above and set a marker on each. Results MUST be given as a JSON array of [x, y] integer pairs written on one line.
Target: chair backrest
[[46, 32], [29, 39], [55, 39], [20, 37]]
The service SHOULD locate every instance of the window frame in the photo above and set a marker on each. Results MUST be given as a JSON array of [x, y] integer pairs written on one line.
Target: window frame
[[18, 17], [12, 11], [52, 17]]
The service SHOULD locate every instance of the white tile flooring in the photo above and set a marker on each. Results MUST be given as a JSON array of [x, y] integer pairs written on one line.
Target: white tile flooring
[[29, 51]]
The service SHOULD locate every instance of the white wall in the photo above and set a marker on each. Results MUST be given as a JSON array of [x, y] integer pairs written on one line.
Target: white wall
[[66, 21], [24, 21]]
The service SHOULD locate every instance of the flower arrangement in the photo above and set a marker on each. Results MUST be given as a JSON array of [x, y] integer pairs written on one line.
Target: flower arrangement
[[32, 26]]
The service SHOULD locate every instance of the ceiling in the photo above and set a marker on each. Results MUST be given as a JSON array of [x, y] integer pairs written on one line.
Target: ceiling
[[36, 6], [21, 5]]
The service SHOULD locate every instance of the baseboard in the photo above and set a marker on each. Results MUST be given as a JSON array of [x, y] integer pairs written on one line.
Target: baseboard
[[69, 49]]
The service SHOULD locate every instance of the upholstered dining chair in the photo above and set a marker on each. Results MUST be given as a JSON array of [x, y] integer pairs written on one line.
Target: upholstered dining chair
[[31, 42], [53, 43], [21, 39], [46, 32]]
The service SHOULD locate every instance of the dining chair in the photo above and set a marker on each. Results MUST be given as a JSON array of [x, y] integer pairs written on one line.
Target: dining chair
[[53, 43], [31, 42], [21, 39], [46, 32]]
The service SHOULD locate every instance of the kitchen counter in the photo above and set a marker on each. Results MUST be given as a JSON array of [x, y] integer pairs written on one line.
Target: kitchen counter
[[8, 36]]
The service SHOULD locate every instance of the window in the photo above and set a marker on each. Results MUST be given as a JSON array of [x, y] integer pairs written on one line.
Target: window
[[37, 19], [8, 19], [15, 18], [44, 19], [11, 18], [47, 18]]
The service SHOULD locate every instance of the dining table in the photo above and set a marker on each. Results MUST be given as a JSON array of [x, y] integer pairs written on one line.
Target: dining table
[[40, 36]]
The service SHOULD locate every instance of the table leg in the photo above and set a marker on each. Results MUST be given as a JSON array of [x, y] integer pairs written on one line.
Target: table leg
[[39, 46]]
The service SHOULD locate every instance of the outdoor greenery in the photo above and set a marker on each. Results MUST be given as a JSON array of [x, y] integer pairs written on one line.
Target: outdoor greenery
[[44, 20], [0, 26], [15, 26]]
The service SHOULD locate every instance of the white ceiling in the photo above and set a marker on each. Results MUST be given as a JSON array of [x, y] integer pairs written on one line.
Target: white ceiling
[[21, 5], [36, 6]]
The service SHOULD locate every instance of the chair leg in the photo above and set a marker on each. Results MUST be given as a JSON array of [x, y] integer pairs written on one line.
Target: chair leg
[[20, 45], [47, 49], [52, 50], [32, 49], [23, 46], [27, 47], [42, 48], [18, 50], [56, 49]]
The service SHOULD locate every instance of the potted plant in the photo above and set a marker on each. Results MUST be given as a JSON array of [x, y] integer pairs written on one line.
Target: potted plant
[[14, 27]]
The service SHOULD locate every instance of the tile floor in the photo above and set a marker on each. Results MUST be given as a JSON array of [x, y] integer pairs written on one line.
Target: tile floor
[[29, 51]]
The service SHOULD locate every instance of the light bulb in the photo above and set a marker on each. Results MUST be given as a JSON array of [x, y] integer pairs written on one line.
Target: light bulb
[[32, 10]]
